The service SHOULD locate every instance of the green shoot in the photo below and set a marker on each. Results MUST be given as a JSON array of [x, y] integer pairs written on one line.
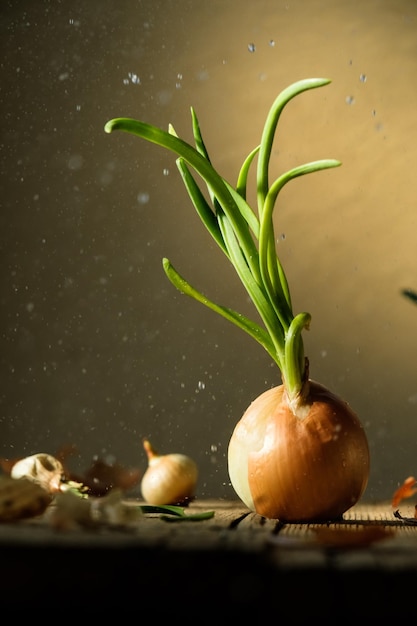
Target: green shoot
[[244, 235], [173, 513]]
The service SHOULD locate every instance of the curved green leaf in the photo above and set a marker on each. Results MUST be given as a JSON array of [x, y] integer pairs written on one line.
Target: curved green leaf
[[250, 327]]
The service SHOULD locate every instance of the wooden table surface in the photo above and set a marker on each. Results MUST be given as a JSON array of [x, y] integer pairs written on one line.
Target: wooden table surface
[[235, 558]]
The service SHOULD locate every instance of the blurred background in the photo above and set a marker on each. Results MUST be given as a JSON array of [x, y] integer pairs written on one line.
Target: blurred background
[[97, 348]]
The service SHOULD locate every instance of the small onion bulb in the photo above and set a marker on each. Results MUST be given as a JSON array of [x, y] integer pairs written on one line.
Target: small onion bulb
[[169, 478], [308, 467]]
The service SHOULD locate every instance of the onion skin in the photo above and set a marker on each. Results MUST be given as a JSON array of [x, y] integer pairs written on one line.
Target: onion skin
[[308, 467]]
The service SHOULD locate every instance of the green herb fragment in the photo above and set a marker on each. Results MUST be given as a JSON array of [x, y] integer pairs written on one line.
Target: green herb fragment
[[409, 293], [171, 513], [194, 517]]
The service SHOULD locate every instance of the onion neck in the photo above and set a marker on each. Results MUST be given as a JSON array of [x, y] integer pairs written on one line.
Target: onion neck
[[295, 366], [297, 396]]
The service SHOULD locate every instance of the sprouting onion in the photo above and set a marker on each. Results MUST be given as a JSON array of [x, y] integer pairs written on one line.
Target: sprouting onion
[[299, 452]]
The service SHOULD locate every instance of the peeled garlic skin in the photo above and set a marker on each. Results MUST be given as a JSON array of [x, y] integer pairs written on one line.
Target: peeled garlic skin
[[169, 479], [308, 468]]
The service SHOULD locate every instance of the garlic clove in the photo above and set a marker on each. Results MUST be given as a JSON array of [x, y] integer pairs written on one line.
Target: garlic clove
[[42, 469], [169, 478]]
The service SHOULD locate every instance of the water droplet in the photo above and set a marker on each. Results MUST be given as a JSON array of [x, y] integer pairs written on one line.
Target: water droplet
[[75, 162], [413, 399], [363, 78], [131, 78], [350, 100], [143, 197], [134, 78], [203, 75], [164, 96], [251, 47], [271, 43]]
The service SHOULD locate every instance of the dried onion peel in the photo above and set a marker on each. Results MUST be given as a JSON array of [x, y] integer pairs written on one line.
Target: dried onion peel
[[299, 453]]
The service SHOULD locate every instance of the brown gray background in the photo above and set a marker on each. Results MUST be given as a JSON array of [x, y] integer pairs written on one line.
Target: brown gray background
[[96, 347]]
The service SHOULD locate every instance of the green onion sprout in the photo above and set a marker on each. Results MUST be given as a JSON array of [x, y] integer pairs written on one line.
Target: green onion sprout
[[246, 236]]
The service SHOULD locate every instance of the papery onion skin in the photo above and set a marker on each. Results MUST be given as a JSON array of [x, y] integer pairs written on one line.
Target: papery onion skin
[[305, 468]]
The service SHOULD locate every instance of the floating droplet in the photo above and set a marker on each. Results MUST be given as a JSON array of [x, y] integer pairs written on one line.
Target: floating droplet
[[131, 78], [134, 78], [143, 197], [203, 75], [75, 162]]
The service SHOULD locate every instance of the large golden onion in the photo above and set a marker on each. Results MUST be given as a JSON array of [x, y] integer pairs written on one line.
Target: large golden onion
[[313, 466]]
